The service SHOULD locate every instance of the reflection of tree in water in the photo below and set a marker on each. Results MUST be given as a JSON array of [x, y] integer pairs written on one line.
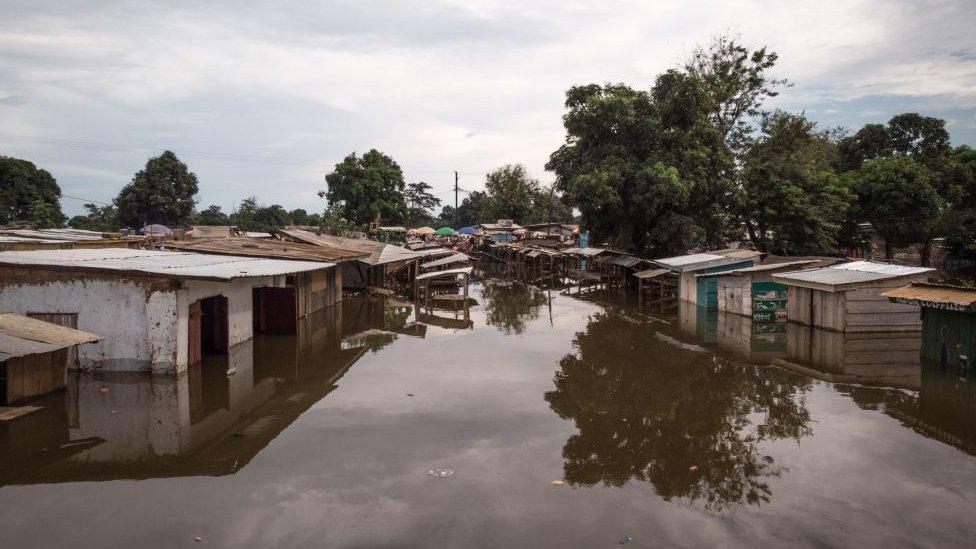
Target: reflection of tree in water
[[648, 411], [509, 306]]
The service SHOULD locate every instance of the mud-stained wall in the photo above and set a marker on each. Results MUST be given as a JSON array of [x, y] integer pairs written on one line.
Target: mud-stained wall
[[116, 309], [143, 321]]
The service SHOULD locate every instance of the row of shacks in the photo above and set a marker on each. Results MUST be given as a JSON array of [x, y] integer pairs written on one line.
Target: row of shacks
[[104, 302], [868, 300]]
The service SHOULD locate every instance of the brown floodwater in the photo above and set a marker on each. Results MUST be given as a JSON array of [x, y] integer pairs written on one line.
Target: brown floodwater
[[533, 419]]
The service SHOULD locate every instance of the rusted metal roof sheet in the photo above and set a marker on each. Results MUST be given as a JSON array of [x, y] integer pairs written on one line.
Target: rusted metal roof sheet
[[456, 258], [266, 247], [380, 253], [586, 252], [652, 273], [936, 296], [22, 336], [448, 272], [846, 275], [159, 263]]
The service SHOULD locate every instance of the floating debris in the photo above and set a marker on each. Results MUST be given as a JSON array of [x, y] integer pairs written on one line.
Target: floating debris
[[231, 371], [103, 389], [693, 468], [197, 539], [624, 540], [409, 394], [440, 473], [558, 482]]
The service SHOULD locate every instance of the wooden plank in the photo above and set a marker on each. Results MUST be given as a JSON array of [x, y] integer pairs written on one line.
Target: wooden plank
[[10, 413], [884, 319], [880, 305]]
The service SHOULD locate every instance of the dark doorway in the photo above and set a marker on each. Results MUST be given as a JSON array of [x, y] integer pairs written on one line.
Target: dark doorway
[[208, 328], [275, 310]]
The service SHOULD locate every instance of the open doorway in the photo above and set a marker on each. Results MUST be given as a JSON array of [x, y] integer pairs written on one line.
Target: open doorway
[[208, 328], [275, 310]]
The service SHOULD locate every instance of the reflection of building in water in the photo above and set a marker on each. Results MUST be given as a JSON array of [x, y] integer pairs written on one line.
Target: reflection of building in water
[[204, 423], [697, 321], [509, 306], [879, 358], [944, 408], [746, 338]]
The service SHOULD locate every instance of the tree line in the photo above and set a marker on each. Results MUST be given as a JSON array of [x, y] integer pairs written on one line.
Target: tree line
[[360, 190], [696, 161]]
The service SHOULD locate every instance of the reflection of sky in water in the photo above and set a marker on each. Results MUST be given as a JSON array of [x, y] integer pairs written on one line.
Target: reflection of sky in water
[[347, 466]]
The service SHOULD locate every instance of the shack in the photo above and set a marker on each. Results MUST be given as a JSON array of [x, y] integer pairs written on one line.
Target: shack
[[382, 265], [315, 289], [159, 310], [948, 321], [752, 291], [35, 356], [704, 292], [848, 297], [502, 231]]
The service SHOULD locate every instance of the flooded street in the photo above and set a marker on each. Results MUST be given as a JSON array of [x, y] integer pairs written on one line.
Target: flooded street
[[383, 425]]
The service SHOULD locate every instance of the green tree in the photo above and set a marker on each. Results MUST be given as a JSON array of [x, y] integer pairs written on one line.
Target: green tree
[[793, 202], [367, 189], [737, 82], [299, 217], [959, 221], [243, 216], [99, 218], [897, 197], [212, 216], [870, 142], [269, 218], [420, 203], [512, 192], [617, 167], [163, 192], [28, 195]]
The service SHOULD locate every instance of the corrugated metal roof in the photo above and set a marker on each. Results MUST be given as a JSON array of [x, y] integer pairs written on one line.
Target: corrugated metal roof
[[161, 263], [699, 261], [456, 258], [848, 274], [56, 234], [380, 253], [953, 298], [589, 252], [652, 273], [448, 272], [22, 336], [266, 247], [766, 268]]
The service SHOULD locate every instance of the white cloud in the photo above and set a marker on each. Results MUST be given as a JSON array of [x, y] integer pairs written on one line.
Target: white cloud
[[439, 85]]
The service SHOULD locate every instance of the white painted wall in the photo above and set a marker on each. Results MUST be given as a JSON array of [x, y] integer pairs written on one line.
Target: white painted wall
[[140, 332], [114, 309]]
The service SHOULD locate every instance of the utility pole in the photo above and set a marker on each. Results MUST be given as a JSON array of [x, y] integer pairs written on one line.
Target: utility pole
[[456, 200]]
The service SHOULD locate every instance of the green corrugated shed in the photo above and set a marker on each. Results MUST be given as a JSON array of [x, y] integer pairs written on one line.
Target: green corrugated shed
[[948, 337]]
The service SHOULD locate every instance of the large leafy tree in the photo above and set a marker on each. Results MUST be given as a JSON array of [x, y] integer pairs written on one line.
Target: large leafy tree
[[420, 203], [163, 192], [28, 195], [737, 81], [512, 192], [269, 218], [793, 202], [367, 188], [897, 197], [617, 169]]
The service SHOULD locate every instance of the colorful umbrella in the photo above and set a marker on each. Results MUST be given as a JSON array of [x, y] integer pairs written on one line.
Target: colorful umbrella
[[446, 231], [423, 231], [467, 230]]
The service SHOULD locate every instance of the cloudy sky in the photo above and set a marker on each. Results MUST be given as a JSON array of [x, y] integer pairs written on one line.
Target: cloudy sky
[[264, 99]]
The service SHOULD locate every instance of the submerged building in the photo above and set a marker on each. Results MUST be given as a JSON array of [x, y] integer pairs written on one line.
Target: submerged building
[[948, 321], [704, 291], [848, 297], [158, 311]]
